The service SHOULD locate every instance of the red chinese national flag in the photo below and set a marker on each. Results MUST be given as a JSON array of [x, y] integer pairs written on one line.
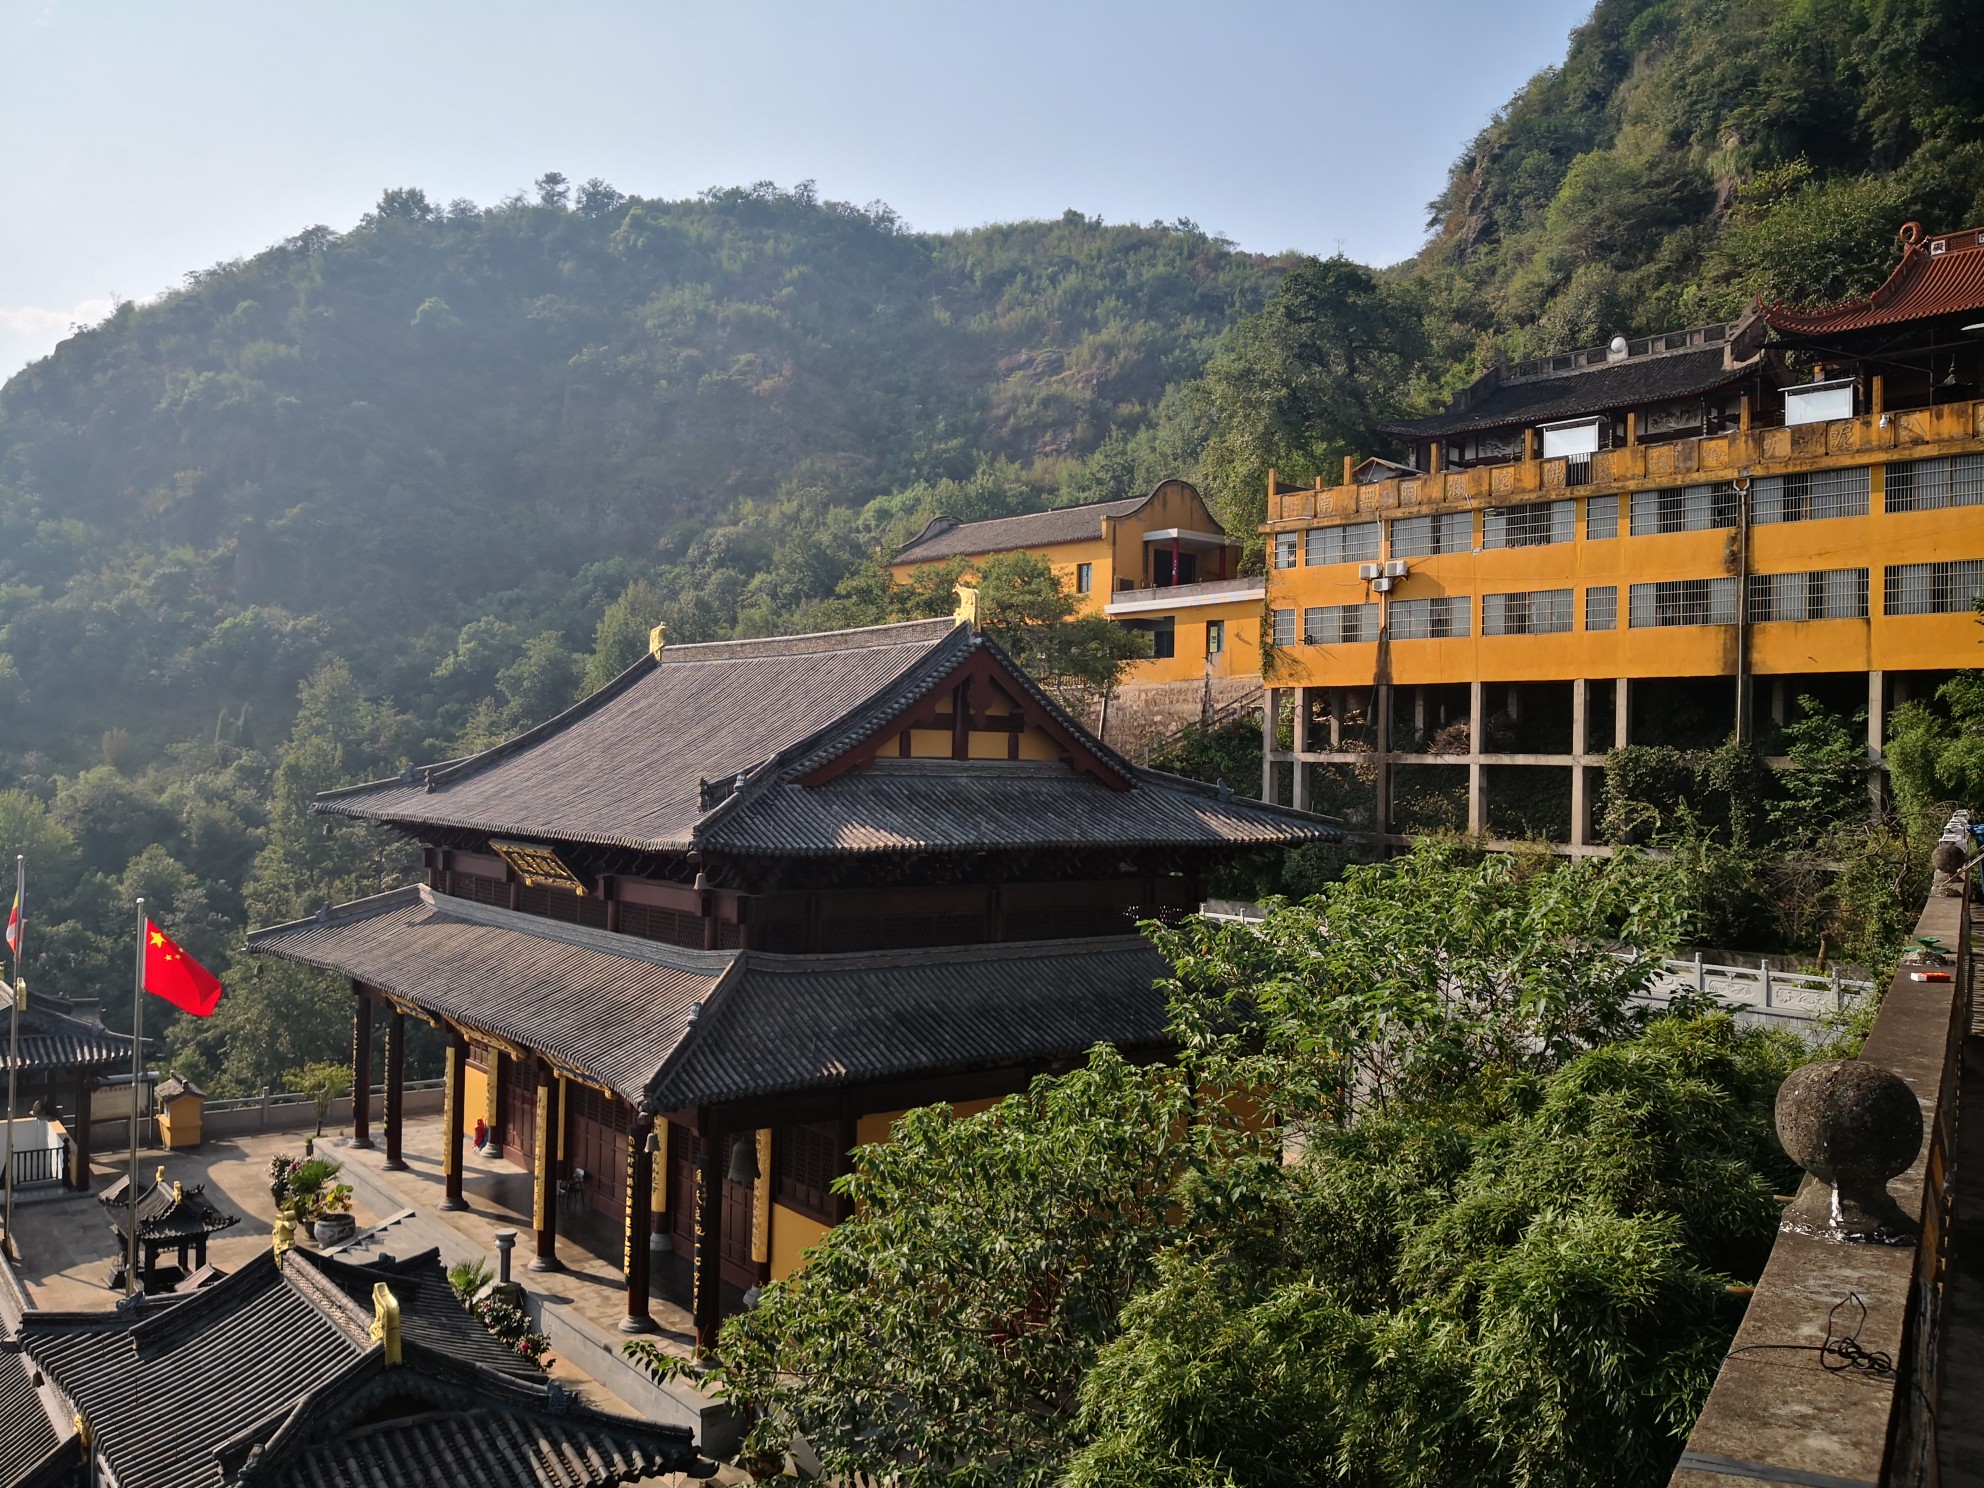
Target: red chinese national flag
[[172, 974]]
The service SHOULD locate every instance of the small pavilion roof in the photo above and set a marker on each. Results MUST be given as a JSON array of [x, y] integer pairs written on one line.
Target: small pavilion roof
[[667, 1027], [727, 747], [167, 1211], [270, 1377], [1936, 277]]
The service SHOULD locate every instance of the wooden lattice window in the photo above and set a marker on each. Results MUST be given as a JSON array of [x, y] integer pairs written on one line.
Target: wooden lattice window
[[805, 1160]]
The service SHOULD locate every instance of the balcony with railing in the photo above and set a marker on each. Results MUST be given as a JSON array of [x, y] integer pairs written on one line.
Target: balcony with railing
[[1894, 434], [1168, 597]]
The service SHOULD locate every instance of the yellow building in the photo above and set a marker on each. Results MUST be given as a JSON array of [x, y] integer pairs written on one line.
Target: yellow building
[[1158, 563], [1660, 540]]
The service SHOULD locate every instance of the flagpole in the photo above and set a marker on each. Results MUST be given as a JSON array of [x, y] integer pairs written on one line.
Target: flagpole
[[14, 1032], [137, 1074]]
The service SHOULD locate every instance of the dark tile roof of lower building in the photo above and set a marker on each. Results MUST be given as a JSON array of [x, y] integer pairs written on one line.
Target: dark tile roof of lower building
[[1633, 382], [270, 1377], [32, 1451], [608, 1007], [671, 1028]]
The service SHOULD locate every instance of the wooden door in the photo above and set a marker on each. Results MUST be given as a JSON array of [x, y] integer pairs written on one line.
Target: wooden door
[[517, 1100]]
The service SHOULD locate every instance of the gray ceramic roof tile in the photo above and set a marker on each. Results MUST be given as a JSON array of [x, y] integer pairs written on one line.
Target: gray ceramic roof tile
[[1588, 390], [652, 763], [674, 1027], [946, 537]]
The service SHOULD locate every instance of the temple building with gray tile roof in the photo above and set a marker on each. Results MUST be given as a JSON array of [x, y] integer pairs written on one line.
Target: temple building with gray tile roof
[[696, 937], [302, 1371]]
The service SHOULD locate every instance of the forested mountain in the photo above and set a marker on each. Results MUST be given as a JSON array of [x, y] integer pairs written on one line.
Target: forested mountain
[[443, 471]]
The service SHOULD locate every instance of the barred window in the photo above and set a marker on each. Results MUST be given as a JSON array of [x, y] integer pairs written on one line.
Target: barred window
[[1924, 485], [1355, 543], [1340, 625], [1683, 602], [1828, 594], [1601, 607], [1534, 612], [1683, 509], [1932, 588], [1430, 619], [1810, 495], [1528, 526], [1287, 549], [1284, 627], [1438, 532], [1601, 517]]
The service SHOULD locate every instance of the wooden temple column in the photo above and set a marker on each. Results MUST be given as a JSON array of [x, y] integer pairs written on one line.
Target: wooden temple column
[[79, 1175], [395, 1089], [706, 1305], [640, 1217], [454, 1095], [544, 1172], [361, 1067]]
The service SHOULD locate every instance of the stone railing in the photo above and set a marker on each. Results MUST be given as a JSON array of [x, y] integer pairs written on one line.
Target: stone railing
[[1832, 1376]]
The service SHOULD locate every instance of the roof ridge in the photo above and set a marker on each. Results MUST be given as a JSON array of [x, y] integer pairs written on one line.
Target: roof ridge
[[345, 913], [707, 1009], [873, 637]]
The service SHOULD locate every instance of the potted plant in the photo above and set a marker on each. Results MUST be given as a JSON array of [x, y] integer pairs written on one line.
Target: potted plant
[[322, 1206]]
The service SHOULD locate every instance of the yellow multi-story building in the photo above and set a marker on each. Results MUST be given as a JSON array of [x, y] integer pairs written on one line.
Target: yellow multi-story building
[[1159, 563], [1661, 540]]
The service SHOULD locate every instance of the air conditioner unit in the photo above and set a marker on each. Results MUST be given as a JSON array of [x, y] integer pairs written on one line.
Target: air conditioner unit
[[1381, 586], [1396, 568], [1367, 571]]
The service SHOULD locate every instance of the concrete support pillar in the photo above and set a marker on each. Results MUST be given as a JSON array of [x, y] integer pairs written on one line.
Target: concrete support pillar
[[1877, 734], [1477, 792], [1269, 708], [395, 1089], [1336, 718], [1381, 717], [454, 1097], [1777, 710], [706, 1304], [1419, 713], [1299, 785], [636, 1253], [1622, 712], [361, 1069], [1580, 747], [544, 1173]]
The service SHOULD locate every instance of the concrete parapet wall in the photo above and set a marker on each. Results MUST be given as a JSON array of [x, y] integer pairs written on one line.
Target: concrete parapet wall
[[1777, 1412]]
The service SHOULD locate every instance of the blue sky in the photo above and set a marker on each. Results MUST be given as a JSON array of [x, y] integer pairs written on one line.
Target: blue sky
[[147, 139]]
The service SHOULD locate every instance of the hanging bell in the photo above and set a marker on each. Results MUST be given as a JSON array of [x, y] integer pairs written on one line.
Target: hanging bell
[[744, 1159]]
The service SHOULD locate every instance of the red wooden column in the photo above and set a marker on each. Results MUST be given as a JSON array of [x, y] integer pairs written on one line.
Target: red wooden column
[[640, 1207], [361, 1067], [454, 1096], [395, 1089], [544, 1188], [706, 1306]]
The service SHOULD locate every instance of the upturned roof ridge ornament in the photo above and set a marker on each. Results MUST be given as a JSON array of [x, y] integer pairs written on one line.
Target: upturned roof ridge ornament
[[657, 639], [967, 610]]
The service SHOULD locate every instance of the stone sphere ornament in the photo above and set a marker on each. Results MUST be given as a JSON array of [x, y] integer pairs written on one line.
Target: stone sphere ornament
[[1853, 1125]]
